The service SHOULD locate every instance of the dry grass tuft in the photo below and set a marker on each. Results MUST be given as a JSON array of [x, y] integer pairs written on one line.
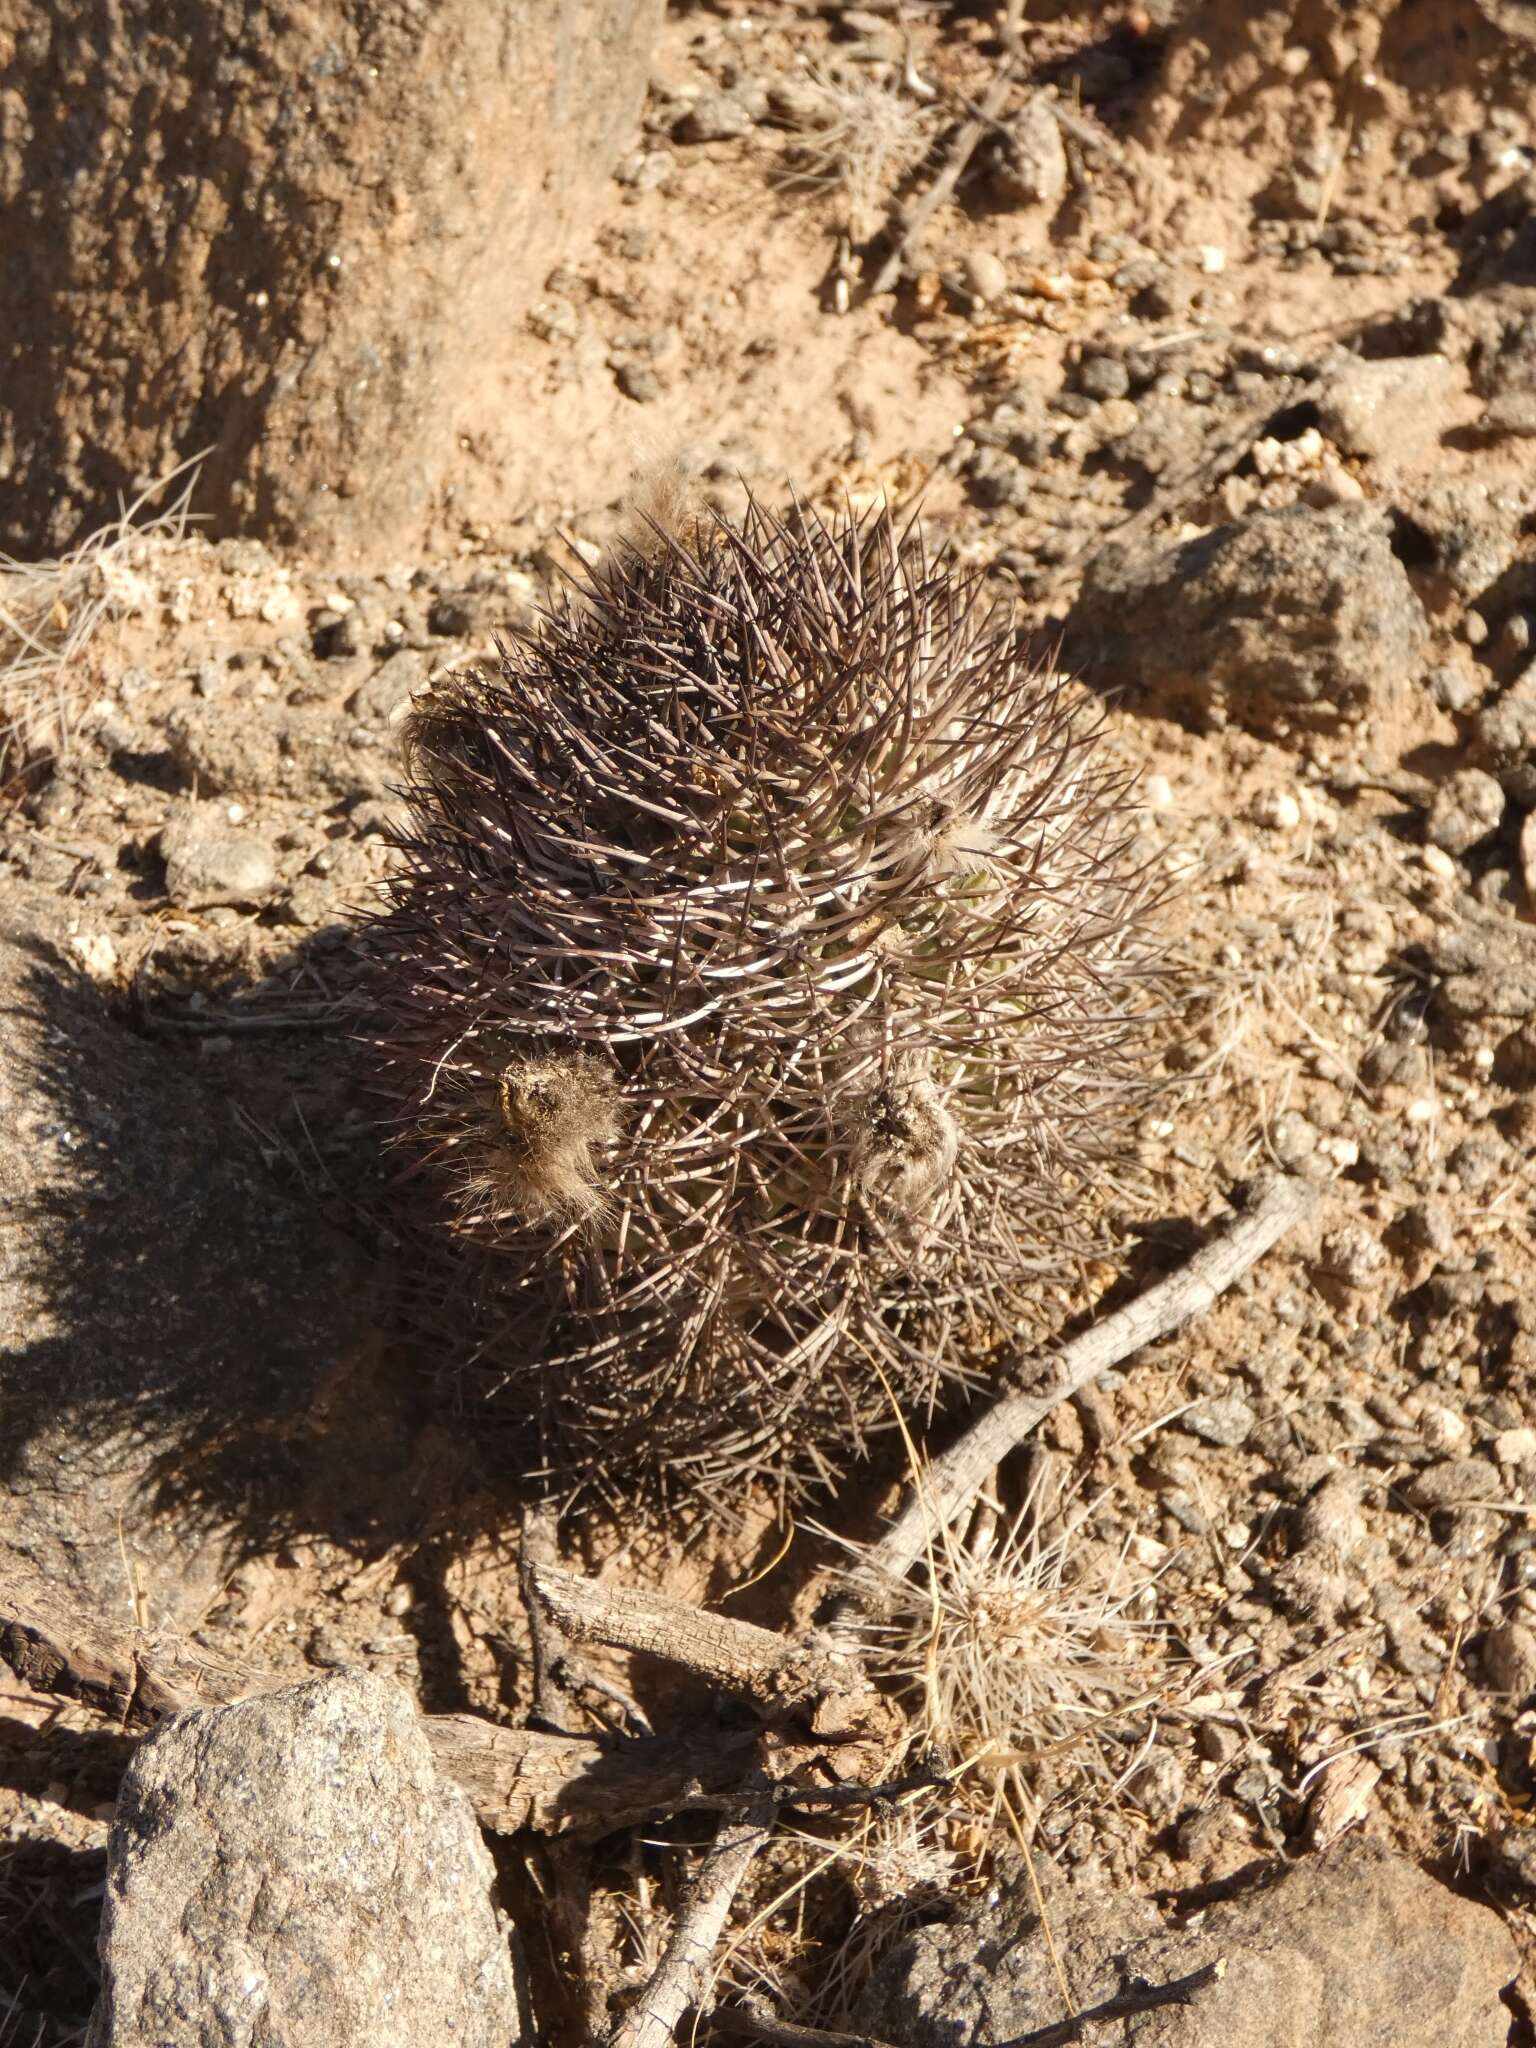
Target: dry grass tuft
[[1022, 1645], [858, 139], [50, 612]]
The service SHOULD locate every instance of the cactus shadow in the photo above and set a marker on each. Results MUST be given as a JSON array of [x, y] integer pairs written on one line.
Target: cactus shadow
[[200, 1358]]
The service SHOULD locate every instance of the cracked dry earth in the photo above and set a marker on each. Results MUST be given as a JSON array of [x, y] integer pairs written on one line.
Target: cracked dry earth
[[1221, 367]]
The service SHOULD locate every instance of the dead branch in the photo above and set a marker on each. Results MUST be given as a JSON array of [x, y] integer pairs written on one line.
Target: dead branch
[[756, 2026], [515, 1777], [773, 1670], [679, 1978], [551, 1701], [520, 1778], [949, 1485], [905, 233]]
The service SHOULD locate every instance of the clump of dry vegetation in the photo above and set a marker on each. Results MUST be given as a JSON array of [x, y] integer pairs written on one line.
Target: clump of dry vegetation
[[51, 612]]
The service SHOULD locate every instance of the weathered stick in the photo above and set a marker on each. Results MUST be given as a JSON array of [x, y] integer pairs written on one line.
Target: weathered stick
[[905, 236], [755, 2026], [773, 1670], [946, 1489], [680, 1974], [516, 1777]]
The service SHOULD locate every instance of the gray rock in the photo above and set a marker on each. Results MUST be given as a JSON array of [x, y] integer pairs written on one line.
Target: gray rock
[[1464, 811], [209, 860], [290, 1870], [1384, 407], [1227, 1420], [1505, 737], [1452, 688], [1030, 164], [1454, 1482], [1294, 617], [714, 117], [1509, 1659], [1486, 966], [1353, 1948]]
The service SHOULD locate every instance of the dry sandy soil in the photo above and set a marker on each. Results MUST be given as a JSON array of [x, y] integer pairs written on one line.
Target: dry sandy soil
[[1206, 266]]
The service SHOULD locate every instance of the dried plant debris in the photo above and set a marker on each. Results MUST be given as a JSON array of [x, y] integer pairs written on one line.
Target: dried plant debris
[[50, 612], [765, 970], [855, 137]]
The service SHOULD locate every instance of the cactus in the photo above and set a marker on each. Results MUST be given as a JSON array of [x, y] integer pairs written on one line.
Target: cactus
[[762, 976]]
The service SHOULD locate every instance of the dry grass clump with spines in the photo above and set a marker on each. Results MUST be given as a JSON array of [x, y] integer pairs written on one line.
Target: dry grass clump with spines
[[51, 611], [1022, 1648], [764, 976], [856, 138]]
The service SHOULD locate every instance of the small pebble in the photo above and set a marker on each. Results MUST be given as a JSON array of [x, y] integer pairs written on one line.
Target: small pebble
[[714, 117], [1352, 1255], [209, 860], [985, 275], [1276, 808], [1293, 1139], [639, 382], [1509, 1659], [1465, 810], [1515, 1446], [1228, 1420], [1454, 1482], [1442, 1428], [327, 1649], [1343, 1152]]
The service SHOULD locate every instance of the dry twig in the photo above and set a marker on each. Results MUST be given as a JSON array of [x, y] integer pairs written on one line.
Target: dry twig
[[962, 149], [950, 1484], [773, 1670], [679, 1979], [516, 1778]]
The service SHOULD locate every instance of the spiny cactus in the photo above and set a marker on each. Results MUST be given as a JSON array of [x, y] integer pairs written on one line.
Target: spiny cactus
[[758, 983]]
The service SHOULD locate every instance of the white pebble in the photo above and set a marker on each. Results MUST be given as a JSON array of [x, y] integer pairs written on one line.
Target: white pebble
[[1422, 1110], [1438, 862], [1213, 258], [1515, 1446], [1277, 808], [1344, 1152], [1157, 793], [1441, 1428]]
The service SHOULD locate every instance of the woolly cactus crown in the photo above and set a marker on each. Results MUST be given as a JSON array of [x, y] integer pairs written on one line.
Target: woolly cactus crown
[[759, 979]]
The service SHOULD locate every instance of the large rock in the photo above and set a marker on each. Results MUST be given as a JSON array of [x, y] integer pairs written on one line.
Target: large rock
[[285, 233], [173, 1317], [289, 1870], [1290, 618], [1354, 1948]]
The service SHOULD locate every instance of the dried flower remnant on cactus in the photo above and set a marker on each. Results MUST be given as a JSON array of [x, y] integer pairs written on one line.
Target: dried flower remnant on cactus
[[762, 976]]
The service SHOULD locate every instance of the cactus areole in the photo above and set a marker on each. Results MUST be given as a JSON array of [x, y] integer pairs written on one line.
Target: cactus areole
[[760, 981]]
